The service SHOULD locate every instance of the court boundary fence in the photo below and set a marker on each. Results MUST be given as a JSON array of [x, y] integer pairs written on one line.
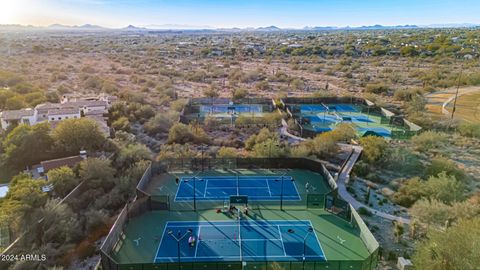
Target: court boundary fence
[[193, 106], [408, 129], [145, 202]]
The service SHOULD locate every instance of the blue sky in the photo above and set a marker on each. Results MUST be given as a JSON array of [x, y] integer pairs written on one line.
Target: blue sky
[[239, 13]]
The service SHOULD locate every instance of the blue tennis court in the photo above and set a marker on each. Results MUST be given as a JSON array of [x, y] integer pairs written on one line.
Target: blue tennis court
[[380, 131], [244, 240], [220, 188], [316, 108], [225, 108]]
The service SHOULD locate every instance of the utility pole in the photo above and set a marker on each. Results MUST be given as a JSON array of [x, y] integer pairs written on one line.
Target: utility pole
[[456, 94]]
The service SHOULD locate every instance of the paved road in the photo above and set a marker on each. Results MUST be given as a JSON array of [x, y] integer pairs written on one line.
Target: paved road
[[343, 179]]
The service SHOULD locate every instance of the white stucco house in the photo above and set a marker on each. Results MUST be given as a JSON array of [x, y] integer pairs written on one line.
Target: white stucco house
[[55, 112], [23, 116], [62, 114]]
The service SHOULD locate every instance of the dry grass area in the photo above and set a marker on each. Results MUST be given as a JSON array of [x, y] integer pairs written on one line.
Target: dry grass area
[[468, 103]]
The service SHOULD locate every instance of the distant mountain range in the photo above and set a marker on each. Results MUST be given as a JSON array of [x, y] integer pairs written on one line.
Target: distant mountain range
[[85, 26], [272, 28]]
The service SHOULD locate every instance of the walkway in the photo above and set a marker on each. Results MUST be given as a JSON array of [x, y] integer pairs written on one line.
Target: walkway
[[344, 178], [344, 175]]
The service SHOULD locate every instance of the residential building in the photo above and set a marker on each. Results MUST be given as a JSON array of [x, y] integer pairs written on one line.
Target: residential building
[[71, 107], [23, 116], [62, 114], [41, 170]]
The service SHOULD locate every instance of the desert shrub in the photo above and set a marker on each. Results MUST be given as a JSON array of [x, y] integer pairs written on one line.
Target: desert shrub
[[429, 140], [227, 152], [181, 133], [469, 129], [121, 123], [442, 164], [160, 123], [240, 93], [377, 88], [374, 148]]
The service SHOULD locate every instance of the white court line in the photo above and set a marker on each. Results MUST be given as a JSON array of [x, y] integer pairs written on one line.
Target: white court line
[[239, 235], [295, 186], [161, 240], [315, 232], [228, 225], [300, 223], [205, 191], [281, 238], [243, 240], [267, 198], [288, 222], [198, 239], [268, 185], [240, 187], [246, 256], [178, 188]]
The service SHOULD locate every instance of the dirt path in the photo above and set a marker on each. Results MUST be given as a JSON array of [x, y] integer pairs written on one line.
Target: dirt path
[[439, 102]]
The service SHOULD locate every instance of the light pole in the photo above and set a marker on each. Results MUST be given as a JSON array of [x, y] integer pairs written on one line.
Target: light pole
[[203, 151], [194, 195], [309, 231], [178, 239], [281, 190]]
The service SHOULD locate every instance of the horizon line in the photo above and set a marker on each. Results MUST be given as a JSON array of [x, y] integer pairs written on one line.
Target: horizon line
[[208, 27]]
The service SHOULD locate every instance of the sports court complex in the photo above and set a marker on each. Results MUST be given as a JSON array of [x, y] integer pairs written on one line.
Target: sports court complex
[[226, 110], [317, 115], [238, 214]]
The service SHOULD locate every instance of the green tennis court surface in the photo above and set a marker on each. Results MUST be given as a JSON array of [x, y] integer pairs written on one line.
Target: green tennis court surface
[[165, 183], [245, 240], [257, 188], [143, 236]]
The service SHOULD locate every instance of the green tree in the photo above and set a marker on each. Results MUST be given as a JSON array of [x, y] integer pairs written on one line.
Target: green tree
[[374, 148], [161, 123], [24, 196], [430, 212], [301, 150], [73, 135], [444, 188], [131, 154], [121, 123], [324, 145], [270, 148], [441, 164], [344, 133], [227, 152], [97, 172], [175, 151], [455, 248], [409, 192], [408, 51], [410, 162], [181, 133], [263, 135], [15, 103], [63, 180], [27, 145]]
